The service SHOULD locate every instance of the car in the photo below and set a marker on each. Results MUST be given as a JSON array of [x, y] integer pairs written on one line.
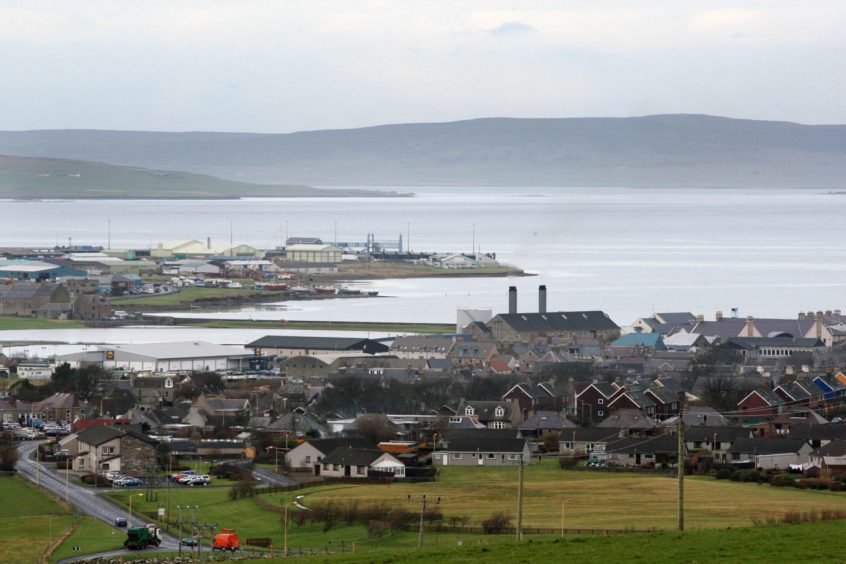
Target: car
[[121, 522], [198, 480], [189, 541], [183, 474], [131, 483], [113, 475]]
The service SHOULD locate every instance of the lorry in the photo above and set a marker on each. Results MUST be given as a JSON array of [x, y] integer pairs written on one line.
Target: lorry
[[138, 538], [226, 539]]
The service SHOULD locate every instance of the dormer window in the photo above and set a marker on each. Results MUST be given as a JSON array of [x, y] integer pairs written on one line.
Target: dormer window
[[469, 410], [499, 411]]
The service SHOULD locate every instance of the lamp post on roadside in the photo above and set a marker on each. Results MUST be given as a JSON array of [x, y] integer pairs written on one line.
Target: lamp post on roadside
[[129, 514]]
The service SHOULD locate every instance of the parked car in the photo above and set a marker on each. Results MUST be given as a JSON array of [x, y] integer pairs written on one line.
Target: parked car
[[131, 483], [198, 480], [183, 474], [120, 522]]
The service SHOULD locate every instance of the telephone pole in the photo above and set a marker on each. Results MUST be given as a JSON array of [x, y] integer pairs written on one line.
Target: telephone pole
[[520, 500], [680, 458], [423, 502]]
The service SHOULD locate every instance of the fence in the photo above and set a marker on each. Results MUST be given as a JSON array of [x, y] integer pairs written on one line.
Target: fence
[[531, 530]]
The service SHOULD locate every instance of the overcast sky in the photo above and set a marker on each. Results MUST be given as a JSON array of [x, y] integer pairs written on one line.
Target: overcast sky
[[279, 66]]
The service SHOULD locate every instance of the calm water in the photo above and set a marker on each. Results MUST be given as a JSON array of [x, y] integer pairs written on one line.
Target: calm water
[[628, 252]]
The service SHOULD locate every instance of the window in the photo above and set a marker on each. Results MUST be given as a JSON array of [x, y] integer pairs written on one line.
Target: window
[[600, 401], [82, 464], [512, 457], [359, 470], [308, 459], [600, 413], [490, 456], [469, 410], [498, 425], [337, 467], [455, 419], [697, 444], [589, 447], [499, 411], [456, 456]]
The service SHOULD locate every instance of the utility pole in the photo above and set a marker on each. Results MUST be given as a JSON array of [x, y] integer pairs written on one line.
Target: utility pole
[[285, 544], [520, 500], [680, 457], [423, 503], [38, 467]]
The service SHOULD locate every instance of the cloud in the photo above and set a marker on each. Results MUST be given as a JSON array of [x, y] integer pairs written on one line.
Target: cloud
[[512, 28]]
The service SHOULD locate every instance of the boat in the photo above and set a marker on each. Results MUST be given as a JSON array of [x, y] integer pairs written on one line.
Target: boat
[[324, 289], [301, 290], [276, 287], [349, 291], [373, 292]]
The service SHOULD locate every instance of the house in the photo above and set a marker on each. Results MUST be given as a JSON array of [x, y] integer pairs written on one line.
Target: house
[[296, 425], [582, 441], [492, 414], [479, 448], [359, 463], [685, 342], [29, 299], [544, 422], [421, 346], [628, 421], [471, 354], [774, 347], [532, 397], [664, 323], [312, 452], [819, 325], [58, 407], [638, 343], [795, 393], [102, 448], [593, 400], [12, 409], [715, 440], [637, 401], [818, 435], [770, 453], [222, 407], [698, 415], [666, 402], [636, 452], [759, 405]]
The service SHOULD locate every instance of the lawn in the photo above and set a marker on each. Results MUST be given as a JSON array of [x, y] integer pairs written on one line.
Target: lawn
[[29, 521], [594, 500], [9, 323], [591, 499], [91, 535]]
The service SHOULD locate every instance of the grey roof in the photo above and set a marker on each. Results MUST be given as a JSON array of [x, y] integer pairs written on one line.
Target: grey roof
[[702, 416], [531, 390], [834, 448], [352, 456], [477, 441], [318, 343], [572, 321], [589, 434], [757, 445], [97, 435], [292, 422], [471, 349], [662, 395], [758, 342], [439, 364], [794, 391], [163, 351], [422, 343], [546, 420], [605, 388], [723, 434], [326, 446], [486, 410], [818, 432], [662, 444], [675, 318], [627, 419], [768, 396]]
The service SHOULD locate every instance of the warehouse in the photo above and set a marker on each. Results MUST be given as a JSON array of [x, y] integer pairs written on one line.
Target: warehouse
[[163, 357]]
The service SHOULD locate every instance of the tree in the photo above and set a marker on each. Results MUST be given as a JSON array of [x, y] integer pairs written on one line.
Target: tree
[[8, 455]]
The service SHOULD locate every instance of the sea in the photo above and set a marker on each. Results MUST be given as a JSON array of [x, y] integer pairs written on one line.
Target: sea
[[627, 251]]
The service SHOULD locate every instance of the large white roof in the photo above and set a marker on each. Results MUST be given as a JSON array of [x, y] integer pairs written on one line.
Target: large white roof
[[187, 350]]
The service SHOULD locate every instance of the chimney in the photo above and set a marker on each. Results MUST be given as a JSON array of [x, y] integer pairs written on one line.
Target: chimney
[[837, 312], [750, 326], [828, 313], [542, 298], [718, 316], [208, 242], [700, 318], [801, 315], [818, 324], [512, 299]]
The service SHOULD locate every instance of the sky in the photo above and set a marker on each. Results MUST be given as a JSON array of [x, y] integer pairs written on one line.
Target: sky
[[286, 65]]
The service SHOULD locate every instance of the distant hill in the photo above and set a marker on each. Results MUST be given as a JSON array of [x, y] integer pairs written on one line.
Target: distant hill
[[656, 151], [28, 177]]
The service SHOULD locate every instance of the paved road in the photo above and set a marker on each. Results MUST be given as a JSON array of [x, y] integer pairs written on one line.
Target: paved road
[[86, 501], [271, 478]]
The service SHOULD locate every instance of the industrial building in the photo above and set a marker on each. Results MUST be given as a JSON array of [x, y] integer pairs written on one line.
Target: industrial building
[[163, 357]]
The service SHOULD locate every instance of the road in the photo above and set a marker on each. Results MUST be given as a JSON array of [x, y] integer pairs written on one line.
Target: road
[[86, 501]]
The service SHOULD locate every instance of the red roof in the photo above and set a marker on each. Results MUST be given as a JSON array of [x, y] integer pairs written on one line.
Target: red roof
[[500, 366], [85, 423]]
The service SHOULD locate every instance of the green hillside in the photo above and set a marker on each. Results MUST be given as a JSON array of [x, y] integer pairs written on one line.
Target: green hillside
[[32, 178]]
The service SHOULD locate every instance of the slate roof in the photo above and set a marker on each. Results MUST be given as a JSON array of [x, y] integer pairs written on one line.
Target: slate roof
[[724, 434], [318, 343], [627, 419], [589, 434], [326, 446], [98, 435], [662, 395], [546, 420], [352, 456], [794, 391], [757, 445], [834, 448], [662, 444], [653, 340], [675, 318], [486, 410], [825, 432], [750, 343], [418, 343], [481, 443], [572, 321]]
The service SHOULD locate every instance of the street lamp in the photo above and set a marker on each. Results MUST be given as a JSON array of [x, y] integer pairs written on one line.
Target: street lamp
[[129, 515]]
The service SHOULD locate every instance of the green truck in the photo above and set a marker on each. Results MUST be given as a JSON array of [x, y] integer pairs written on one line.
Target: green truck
[[138, 538]]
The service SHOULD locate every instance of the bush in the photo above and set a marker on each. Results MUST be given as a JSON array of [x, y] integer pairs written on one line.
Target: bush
[[567, 461], [244, 488], [724, 474], [781, 481], [496, 523], [8, 456]]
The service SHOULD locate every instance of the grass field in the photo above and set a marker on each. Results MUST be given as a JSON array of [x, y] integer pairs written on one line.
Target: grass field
[[91, 535], [592, 500], [20, 323], [29, 520]]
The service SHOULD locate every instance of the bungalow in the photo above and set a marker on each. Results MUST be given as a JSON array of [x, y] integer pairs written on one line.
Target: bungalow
[[715, 440], [58, 407], [818, 435], [583, 441], [544, 422], [477, 448], [633, 452], [359, 463], [628, 421], [770, 453], [312, 452]]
